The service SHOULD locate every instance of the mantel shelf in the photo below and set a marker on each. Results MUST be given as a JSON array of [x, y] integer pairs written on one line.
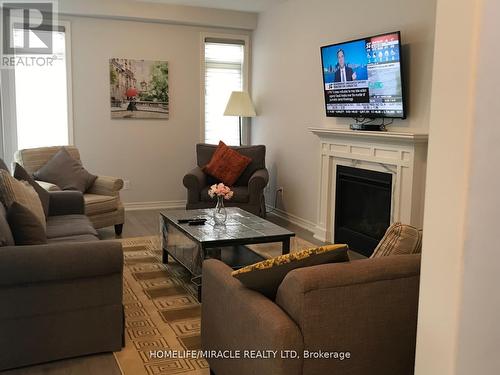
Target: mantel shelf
[[388, 135]]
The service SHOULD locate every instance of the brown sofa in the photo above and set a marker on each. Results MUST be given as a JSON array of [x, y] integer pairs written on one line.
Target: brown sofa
[[248, 189], [366, 307], [102, 201], [64, 298]]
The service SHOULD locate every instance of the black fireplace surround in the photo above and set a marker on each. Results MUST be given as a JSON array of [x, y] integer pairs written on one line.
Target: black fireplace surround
[[362, 207]]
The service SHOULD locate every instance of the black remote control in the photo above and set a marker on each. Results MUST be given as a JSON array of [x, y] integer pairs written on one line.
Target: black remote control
[[197, 222]]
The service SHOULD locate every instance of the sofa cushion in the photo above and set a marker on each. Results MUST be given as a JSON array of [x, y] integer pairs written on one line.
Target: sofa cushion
[[241, 195], [25, 226], [69, 225], [48, 186], [77, 238], [21, 174], [399, 239], [266, 276], [226, 164], [6, 238], [66, 172], [12, 190], [99, 204]]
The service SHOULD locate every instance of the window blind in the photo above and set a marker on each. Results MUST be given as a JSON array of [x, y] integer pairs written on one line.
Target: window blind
[[223, 74]]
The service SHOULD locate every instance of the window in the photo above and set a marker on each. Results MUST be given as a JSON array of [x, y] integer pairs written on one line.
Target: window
[[41, 98], [36, 106], [224, 73]]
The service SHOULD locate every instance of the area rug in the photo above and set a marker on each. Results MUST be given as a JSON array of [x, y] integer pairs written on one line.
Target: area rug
[[161, 310]]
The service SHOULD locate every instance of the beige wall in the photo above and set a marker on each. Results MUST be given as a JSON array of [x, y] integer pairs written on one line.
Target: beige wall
[[153, 154], [287, 81], [458, 330], [158, 12], [479, 336]]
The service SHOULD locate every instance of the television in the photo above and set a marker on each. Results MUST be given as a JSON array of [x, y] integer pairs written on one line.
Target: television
[[362, 78]]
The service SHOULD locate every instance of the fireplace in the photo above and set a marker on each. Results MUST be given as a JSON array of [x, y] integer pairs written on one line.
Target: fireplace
[[402, 154], [362, 207]]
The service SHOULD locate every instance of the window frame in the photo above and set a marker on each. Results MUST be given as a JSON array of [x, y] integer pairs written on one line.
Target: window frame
[[8, 109], [245, 134]]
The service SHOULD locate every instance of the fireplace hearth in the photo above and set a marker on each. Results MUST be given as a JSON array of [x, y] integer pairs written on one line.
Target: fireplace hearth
[[362, 207]]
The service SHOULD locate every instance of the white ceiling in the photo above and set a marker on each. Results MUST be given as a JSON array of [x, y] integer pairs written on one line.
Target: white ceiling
[[242, 5]]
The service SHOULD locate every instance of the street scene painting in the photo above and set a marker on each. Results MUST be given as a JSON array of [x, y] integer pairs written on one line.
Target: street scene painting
[[138, 89]]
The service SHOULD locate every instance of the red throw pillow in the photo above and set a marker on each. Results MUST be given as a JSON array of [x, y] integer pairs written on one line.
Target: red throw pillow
[[226, 164]]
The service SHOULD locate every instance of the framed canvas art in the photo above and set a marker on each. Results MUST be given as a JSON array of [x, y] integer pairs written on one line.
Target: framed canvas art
[[138, 89]]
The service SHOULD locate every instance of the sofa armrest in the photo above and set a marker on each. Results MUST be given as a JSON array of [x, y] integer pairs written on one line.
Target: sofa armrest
[[368, 307], [236, 318], [48, 186], [257, 182], [106, 185], [194, 181], [56, 262], [66, 203]]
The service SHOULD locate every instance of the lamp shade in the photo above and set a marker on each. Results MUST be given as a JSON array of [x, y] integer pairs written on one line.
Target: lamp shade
[[240, 104]]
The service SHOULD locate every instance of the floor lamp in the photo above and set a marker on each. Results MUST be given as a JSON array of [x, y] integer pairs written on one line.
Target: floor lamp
[[240, 104]]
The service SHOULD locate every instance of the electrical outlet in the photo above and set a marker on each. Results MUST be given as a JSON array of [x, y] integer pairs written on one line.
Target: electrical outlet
[[280, 190], [126, 184]]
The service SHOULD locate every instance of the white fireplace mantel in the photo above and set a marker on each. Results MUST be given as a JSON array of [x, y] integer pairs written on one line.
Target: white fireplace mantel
[[403, 154]]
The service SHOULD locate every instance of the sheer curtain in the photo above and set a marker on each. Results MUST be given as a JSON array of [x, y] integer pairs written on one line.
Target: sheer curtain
[[41, 98]]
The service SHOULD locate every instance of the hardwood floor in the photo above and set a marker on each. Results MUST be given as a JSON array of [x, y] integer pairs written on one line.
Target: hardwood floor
[[137, 224]]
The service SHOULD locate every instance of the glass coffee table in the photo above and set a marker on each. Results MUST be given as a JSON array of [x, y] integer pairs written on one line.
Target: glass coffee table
[[190, 245]]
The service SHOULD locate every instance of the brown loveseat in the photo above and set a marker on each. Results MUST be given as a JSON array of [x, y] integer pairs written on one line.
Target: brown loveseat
[[365, 307], [102, 201], [61, 299], [248, 189]]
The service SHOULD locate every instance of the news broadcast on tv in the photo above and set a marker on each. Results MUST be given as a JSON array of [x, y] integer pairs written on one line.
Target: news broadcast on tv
[[362, 78]]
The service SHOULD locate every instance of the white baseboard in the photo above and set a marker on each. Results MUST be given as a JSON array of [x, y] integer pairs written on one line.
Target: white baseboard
[[158, 205], [294, 219]]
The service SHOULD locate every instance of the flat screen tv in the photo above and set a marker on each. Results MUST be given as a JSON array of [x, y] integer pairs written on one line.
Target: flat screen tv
[[362, 78]]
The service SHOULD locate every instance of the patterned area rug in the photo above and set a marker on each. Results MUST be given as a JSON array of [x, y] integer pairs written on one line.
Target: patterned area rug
[[161, 309]]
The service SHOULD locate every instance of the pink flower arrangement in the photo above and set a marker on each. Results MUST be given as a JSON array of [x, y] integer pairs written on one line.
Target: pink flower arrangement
[[220, 190]]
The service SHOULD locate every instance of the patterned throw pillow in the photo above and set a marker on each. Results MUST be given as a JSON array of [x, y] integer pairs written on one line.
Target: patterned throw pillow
[[12, 190], [399, 239], [21, 174], [226, 164], [266, 276]]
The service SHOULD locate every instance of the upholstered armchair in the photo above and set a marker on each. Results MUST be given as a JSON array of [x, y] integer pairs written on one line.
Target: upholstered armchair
[[366, 307], [102, 201], [248, 189]]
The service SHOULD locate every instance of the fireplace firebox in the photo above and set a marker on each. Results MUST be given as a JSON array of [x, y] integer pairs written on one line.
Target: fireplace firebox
[[362, 207]]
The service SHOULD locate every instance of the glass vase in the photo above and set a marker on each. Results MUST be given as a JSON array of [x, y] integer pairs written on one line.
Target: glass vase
[[220, 214]]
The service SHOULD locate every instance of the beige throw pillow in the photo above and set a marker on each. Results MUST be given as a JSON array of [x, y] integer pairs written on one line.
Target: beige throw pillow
[[12, 190], [399, 239]]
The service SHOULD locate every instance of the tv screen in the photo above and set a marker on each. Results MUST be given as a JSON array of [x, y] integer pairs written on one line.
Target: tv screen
[[362, 78]]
